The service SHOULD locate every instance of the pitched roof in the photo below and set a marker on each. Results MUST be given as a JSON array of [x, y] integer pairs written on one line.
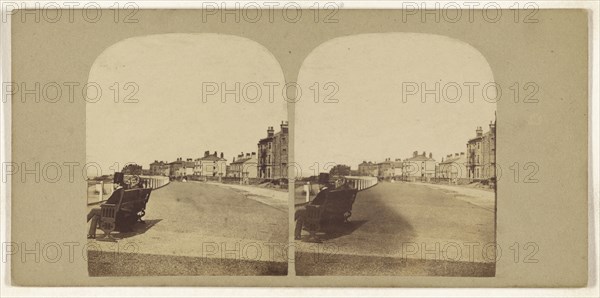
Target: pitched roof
[[454, 159], [419, 158], [241, 160], [211, 158]]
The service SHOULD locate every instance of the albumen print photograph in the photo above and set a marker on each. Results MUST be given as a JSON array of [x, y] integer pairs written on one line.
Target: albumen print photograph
[[402, 159], [320, 146], [188, 171]]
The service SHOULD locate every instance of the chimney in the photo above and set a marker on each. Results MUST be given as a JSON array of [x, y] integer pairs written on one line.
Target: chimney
[[233, 159], [215, 154], [221, 154], [492, 127], [430, 155], [479, 131], [415, 153], [206, 153], [270, 131], [284, 126]]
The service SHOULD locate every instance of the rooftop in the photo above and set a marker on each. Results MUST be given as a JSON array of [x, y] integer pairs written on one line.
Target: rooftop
[[211, 158], [419, 158], [242, 160]]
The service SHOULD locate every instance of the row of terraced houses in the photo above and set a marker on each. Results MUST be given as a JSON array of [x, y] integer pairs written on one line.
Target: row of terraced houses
[[476, 163], [269, 162]]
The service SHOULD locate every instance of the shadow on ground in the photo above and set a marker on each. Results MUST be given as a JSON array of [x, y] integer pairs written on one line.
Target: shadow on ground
[[138, 229], [333, 231]]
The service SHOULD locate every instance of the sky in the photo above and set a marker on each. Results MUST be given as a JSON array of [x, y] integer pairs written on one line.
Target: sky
[[171, 74], [377, 114], [371, 121]]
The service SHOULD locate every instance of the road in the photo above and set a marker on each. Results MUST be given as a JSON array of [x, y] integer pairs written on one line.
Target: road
[[196, 228], [407, 229]]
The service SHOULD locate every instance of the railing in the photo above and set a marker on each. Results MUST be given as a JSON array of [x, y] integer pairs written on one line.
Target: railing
[[100, 191], [361, 182], [155, 182], [97, 190]]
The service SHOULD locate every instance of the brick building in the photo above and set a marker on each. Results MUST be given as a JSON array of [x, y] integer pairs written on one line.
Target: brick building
[[481, 155], [273, 153], [368, 169], [245, 166], [419, 167], [159, 168], [210, 165], [453, 168], [176, 168]]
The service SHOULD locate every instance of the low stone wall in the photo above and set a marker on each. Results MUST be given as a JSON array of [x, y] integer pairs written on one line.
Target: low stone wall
[[361, 182], [100, 191], [155, 182]]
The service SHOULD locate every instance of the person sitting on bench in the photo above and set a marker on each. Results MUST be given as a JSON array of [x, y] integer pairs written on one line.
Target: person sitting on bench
[[300, 214], [95, 213]]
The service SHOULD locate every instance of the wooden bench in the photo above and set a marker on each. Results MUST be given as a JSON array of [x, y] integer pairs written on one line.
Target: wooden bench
[[335, 208], [122, 210]]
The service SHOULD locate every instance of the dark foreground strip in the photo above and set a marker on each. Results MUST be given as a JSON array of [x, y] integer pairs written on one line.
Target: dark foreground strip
[[132, 264], [311, 264]]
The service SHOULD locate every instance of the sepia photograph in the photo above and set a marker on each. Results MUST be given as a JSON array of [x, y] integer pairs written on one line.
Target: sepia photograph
[[186, 175], [405, 151], [298, 148]]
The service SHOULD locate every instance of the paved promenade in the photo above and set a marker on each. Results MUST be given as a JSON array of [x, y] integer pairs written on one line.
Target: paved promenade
[[197, 228], [423, 229]]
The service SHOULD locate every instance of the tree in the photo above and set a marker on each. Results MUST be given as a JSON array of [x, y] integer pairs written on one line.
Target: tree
[[340, 170], [132, 169]]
